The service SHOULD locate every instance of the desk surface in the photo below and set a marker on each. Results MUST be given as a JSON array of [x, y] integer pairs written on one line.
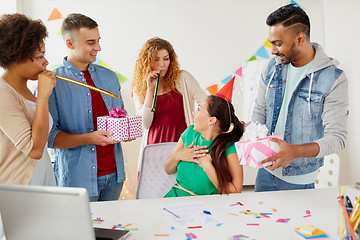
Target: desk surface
[[147, 215]]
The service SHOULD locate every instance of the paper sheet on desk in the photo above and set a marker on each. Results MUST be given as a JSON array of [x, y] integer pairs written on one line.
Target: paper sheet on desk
[[184, 215]]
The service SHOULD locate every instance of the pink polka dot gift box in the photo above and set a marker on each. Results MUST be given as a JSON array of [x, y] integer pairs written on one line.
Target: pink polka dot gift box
[[124, 127]]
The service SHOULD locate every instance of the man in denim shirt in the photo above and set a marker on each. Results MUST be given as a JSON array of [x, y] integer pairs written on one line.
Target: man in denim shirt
[[302, 97], [85, 157]]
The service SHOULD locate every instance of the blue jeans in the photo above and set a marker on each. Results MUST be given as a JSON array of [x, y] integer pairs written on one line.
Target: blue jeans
[[108, 188], [265, 181]]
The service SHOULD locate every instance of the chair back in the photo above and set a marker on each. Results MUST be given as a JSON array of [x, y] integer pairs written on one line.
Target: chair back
[[154, 182], [328, 175]]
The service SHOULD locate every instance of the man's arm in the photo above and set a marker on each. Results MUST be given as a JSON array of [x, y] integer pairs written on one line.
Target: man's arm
[[334, 121], [65, 140]]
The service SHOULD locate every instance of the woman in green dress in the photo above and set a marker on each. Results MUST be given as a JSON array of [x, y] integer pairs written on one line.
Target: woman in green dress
[[205, 158]]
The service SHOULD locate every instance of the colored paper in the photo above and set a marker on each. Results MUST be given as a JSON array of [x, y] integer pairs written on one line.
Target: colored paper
[[55, 14], [237, 237], [317, 234], [267, 44], [252, 58], [261, 52], [59, 32], [191, 215], [295, 3], [120, 77], [226, 91], [239, 72], [226, 80], [212, 89]]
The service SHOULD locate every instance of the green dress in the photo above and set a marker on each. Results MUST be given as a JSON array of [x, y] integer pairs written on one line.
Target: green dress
[[189, 174]]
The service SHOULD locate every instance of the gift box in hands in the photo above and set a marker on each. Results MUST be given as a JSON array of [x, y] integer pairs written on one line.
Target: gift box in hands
[[256, 146], [124, 127]]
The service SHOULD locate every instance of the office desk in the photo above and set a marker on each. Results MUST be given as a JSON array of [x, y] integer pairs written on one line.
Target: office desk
[[147, 214]]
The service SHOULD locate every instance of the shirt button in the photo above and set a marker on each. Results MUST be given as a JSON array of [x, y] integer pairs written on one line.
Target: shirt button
[[88, 94], [92, 149], [83, 79], [75, 74], [91, 130], [81, 73], [89, 111], [93, 167]]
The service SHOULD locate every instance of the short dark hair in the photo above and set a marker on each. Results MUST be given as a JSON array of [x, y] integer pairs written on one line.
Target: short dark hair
[[75, 21], [20, 38], [290, 15]]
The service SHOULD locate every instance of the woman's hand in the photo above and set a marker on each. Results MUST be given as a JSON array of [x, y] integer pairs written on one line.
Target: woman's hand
[[46, 83], [205, 162], [151, 80], [192, 153]]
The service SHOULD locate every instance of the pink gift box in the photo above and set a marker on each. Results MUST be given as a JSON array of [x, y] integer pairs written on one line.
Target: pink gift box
[[129, 127], [252, 153]]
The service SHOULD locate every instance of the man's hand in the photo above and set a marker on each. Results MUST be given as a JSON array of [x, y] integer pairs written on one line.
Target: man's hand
[[284, 157], [100, 138]]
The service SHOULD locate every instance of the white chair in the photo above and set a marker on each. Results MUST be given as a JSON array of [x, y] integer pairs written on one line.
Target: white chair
[[328, 175], [154, 182]]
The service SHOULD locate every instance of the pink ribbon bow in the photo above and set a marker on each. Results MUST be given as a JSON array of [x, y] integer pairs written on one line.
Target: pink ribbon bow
[[117, 113]]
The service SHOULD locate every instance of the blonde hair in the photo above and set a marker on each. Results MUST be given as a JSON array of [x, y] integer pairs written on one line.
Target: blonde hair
[[146, 60]]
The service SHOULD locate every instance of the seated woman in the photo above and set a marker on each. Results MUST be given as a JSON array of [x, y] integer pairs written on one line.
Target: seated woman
[[215, 130]]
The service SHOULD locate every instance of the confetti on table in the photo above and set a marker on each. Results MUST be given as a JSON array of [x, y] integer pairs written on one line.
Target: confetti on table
[[237, 203], [274, 210], [308, 212], [98, 220], [237, 237], [234, 214], [207, 212], [195, 227], [260, 202], [190, 236], [283, 220], [307, 216], [219, 224], [161, 235], [252, 224]]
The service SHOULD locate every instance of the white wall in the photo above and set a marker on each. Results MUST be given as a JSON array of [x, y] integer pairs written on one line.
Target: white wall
[[212, 38], [342, 41]]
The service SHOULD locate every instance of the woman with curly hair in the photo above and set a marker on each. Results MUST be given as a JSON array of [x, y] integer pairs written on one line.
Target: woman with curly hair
[[24, 118], [205, 157], [177, 93]]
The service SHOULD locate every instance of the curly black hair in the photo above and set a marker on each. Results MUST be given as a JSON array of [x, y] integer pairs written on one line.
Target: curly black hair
[[290, 15], [20, 38]]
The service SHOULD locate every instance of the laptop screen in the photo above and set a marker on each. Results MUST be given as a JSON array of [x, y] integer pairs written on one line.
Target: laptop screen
[[37, 212]]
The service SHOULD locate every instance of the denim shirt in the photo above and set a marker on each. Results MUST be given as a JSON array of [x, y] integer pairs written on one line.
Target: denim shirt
[[71, 110], [311, 111]]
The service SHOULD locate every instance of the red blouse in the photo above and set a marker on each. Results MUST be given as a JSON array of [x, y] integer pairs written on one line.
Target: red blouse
[[169, 119]]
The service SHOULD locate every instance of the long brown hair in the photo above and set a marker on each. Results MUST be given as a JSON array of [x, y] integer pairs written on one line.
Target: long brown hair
[[224, 112], [146, 60]]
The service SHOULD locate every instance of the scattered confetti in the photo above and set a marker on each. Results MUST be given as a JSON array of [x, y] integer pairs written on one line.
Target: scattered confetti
[[252, 224]]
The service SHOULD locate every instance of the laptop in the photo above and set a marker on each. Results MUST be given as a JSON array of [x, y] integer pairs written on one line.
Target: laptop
[[38, 212]]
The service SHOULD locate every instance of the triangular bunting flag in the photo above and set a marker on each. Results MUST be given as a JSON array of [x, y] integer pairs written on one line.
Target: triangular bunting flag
[[252, 58], [239, 72], [226, 80], [101, 63], [261, 52], [121, 78], [59, 32], [55, 14], [212, 89], [267, 44], [226, 91], [295, 3]]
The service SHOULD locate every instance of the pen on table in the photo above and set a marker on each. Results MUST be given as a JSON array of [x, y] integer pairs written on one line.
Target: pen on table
[[155, 94], [171, 212], [347, 217]]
